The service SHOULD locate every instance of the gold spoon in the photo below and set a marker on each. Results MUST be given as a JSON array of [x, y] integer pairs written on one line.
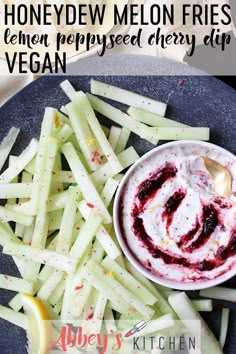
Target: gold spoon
[[221, 177]]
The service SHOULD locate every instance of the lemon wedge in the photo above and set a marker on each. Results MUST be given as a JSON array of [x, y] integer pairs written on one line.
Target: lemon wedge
[[38, 324]]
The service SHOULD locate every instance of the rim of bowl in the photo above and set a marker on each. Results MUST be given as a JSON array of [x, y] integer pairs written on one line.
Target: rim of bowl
[[154, 277]]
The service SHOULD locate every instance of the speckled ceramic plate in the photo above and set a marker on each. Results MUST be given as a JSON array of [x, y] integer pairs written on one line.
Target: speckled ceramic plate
[[198, 100]]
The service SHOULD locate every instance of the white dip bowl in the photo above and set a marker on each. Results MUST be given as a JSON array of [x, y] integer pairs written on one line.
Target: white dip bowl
[[171, 224]]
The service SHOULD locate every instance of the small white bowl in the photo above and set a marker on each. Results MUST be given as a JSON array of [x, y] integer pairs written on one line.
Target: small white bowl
[[139, 172]]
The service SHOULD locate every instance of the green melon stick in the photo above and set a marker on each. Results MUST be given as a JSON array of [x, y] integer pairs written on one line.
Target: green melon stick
[[109, 190], [7, 144], [120, 258], [224, 326], [84, 182], [63, 177], [17, 318], [220, 293], [31, 166], [106, 130], [141, 278], [85, 137], [179, 133], [162, 304], [97, 251], [152, 119], [55, 216], [63, 110], [121, 118], [50, 284], [77, 291], [47, 270], [12, 201], [202, 305], [191, 318], [65, 235], [63, 243], [123, 140], [128, 281], [126, 157], [77, 251], [89, 305], [7, 214], [21, 265], [16, 302], [28, 234], [114, 136], [88, 140], [101, 234], [67, 313], [64, 134], [127, 97], [26, 178], [88, 311], [57, 201], [39, 173], [15, 190], [99, 310], [83, 107], [20, 162], [56, 187], [16, 284], [60, 120], [68, 89], [133, 300], [57, 308], [19, 228], [73, 140], [167, 293], [85, 236], [54, 220], [6, 235], [41, 222], [109, 320], [81, 290], [59, 290], [41, 256], [119, 304]]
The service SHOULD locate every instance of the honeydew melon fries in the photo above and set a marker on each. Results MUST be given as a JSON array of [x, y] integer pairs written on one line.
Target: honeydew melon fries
[[7, 144], [64, 244]]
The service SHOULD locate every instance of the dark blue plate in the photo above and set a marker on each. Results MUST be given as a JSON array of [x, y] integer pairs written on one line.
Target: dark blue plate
[[198, 101]]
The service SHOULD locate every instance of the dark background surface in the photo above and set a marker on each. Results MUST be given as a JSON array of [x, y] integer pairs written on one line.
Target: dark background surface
[[231, 81], [200, 101]]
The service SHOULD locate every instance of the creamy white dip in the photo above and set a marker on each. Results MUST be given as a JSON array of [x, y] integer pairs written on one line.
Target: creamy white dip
[[187, 230]]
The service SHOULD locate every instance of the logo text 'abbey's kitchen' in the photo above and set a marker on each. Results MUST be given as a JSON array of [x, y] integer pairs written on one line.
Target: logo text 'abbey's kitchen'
[[70, 337]]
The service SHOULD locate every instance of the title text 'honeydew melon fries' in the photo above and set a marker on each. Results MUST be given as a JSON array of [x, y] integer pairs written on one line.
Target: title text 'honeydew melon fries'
[[64, 244]]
